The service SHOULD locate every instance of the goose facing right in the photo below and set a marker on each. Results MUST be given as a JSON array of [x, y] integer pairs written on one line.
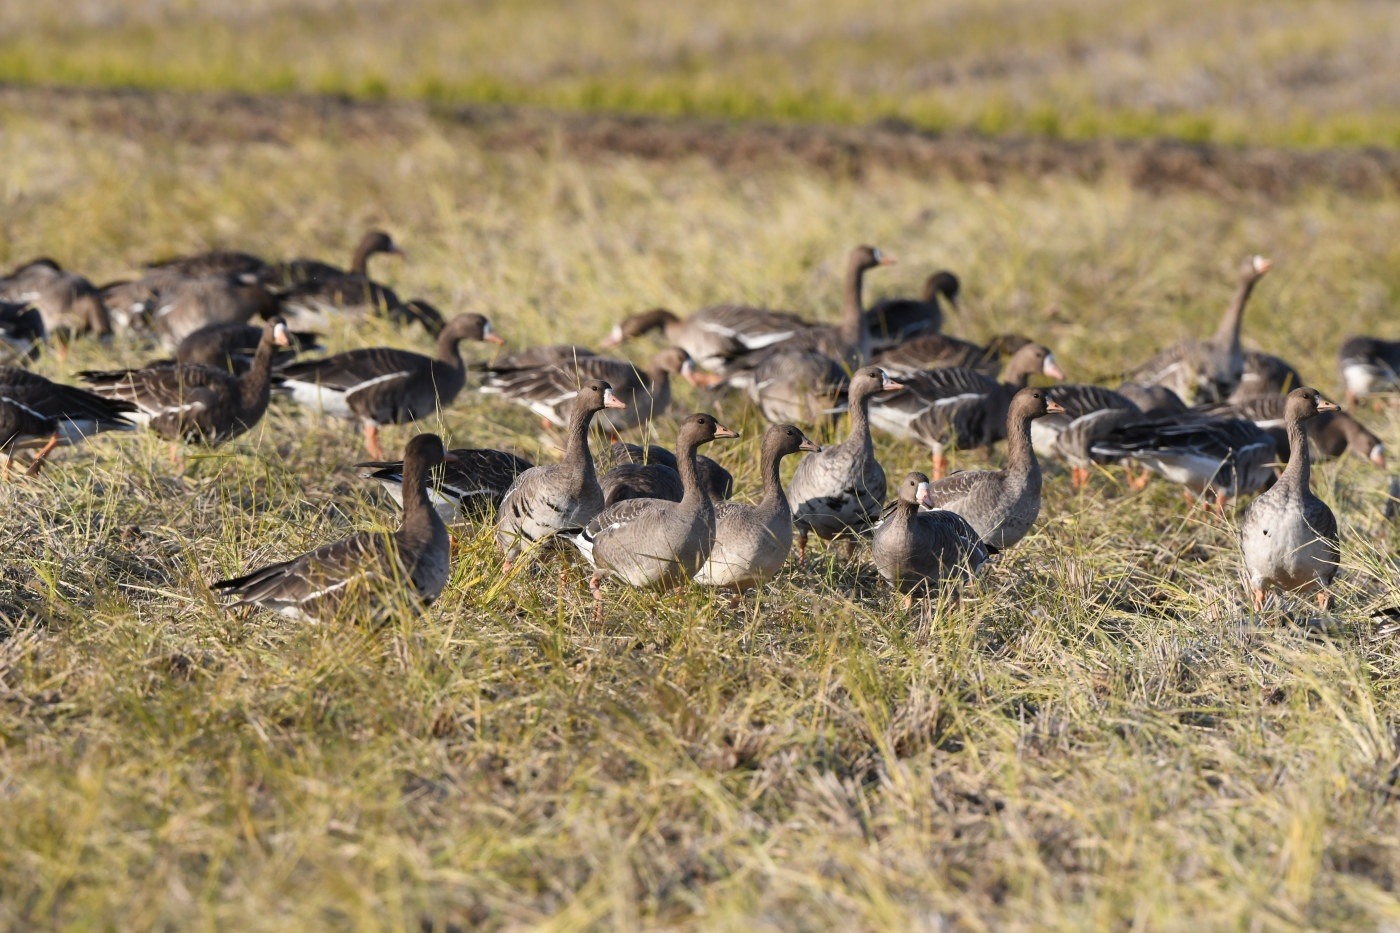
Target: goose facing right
[[1289, 536], [468, 486], [915, 550], [891, 321]]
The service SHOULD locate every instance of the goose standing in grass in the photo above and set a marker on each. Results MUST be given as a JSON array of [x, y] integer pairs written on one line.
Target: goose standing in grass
[[839, 492], [197, 404], [1208, 370], [752, 541], [556, 497], [1002, 505], [652, 472], [468, 486], [959, 408], [1332, 432], [917, 551], [713, 336], [35, 411], [319, 293], [549, 389], [656, 543], [69, 304], [1368, 366], [370, 576], [379, 385], [893, 321], [182, 306], [299, 271], [1090, 413], [1288, 535]]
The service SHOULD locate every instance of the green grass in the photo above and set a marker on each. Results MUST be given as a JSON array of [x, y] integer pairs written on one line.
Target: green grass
[[1099, 735], [1301, 73]]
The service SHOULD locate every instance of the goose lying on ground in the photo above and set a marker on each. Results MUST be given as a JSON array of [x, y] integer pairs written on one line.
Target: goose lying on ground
[[918, 551]]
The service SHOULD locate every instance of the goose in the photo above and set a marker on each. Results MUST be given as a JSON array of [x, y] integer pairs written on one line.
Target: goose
[[1223, 457], [959, 408], [1208, 370], [380, 385], [36, 411], [320, 293], [640, 481], [69, 304], [1152, 399], [300, 271], [713, 336], [1090, 412], [917, 550], [21, 329], [893, 321], [1368, 366], [1002, 505], [656, 543], [183, 305], [1332, 433], [1288, 535], [549, 389], [232, 347], [129, 303], [839, 492], [556, 497], [196, 404], [468, 486], [221, 262], [369, 577], [939, 351], [718, 481], [799, 385], [752, 541], [1264, 375]]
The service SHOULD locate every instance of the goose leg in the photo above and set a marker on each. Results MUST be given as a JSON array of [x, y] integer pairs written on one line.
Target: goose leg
[[1137, 481], [372, 441], [908, 601], [1078, 477], [1351, 400], [940, 465], [39, 457], [1258, 600], [801, 545], [595, 585], [1324, 600]]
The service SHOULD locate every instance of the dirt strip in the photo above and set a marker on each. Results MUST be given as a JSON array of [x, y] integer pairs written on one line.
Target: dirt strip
[[1156, 165]]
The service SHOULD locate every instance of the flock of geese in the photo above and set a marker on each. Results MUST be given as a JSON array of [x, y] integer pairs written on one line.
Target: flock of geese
[[1205, 414]]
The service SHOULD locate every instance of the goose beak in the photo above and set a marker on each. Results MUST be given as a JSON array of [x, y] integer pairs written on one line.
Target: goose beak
[[280, 336], [1324, 406], [1052, 369], [1378, 456], [884, 258], [688, 371], [809, 444], [722, 431], [490, 336], [923, 496], [614, 337], [1262, 265], [612, 401], [889, 385], [1053, 407]]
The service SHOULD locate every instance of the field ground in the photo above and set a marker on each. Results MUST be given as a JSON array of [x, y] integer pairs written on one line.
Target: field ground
[[1098, 735]]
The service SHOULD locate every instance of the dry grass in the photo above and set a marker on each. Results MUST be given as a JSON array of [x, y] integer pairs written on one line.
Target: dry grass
[[1100, 735], [1309, 72]]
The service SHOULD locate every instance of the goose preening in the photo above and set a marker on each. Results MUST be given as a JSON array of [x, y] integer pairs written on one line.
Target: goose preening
[[1332, 432], [1288, 535], [752, 541], [840, 491], [893, 321], [379, 385], [917, 551], [1208, 370], [37, 412], [554, 498], [197, 404], [549, 388], [656, 543], [1368, 366], [70, 305], [368, 577], [1002, 505], [940, 351], [957, 408], [467, 486]]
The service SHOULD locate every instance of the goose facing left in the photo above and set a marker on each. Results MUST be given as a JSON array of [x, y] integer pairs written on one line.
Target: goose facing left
[[35, 411]]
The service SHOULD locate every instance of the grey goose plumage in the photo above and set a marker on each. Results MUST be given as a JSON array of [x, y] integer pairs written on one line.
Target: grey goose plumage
[[917, 549], [890, 322], [369, 577], [70, 305], [468, 486], [1368, 366]]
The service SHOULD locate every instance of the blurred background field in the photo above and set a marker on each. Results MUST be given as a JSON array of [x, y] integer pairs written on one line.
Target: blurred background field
[[1099, 736]]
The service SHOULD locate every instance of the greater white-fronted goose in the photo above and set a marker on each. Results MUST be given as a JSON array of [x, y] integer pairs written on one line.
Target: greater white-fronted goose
[[718, 481], [1332, 433], [939, 351], [380, 385], [197, 404], [300, 271], [752, 541], [1288, 535], [21, 330], [549, 389], [219, 262], [369, 577], [840, 491], [70, 305], [129, 303], [554, 498], [1225, 457], [800, 385], [1002, 505], [959, 409], [233, 347], [713, 336], [1207, 370], [184, 305], [1263, 375], [35, 411], [468, 486], [321, 293], [640, 481], [1368, 366], [893, 321], [1090, 412], [655, 542], [1153, 400], [917, 551]]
